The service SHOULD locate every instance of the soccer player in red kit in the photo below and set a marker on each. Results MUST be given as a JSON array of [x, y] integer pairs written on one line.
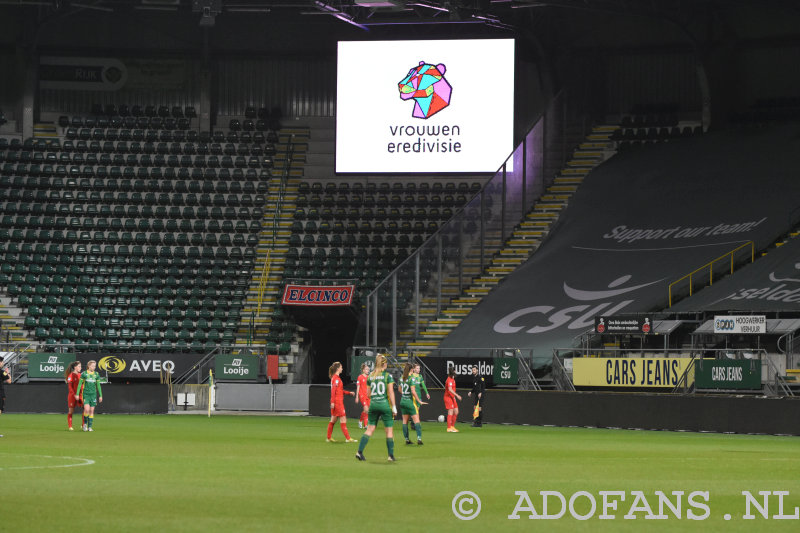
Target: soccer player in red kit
[[450, 397], [362, 395], [337, 402], [73, 377]]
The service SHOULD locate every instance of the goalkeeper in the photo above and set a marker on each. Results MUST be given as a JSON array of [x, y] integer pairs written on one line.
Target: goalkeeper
[[478, 394]]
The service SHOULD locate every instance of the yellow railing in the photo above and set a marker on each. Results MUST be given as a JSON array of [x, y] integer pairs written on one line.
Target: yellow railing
[[262, 283], [710, 267]]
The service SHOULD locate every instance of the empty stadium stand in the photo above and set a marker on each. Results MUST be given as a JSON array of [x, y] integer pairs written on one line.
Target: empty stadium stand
[[128, 230], [639, 222]]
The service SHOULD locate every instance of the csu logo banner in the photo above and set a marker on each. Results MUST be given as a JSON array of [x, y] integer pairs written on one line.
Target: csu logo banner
[[318, 295], [48, 366], [355, 365], [506, 371], [236, 367]]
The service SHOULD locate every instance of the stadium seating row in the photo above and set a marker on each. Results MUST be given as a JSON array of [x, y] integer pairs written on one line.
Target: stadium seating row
[[129, 225], [152, 184], [463, 187], [131, 163], [135, 211], [125, 110], [118, 172], [168, 131], [382, 200], [87, 140], [343, 217]]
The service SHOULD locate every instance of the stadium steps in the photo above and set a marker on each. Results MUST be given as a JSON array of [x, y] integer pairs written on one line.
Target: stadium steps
[[723, 273], [273, 239], [45, 130], [523, 241], [11, 322]]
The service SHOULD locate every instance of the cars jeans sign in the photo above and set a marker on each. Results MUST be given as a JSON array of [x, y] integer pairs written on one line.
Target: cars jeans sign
[[714, 374]]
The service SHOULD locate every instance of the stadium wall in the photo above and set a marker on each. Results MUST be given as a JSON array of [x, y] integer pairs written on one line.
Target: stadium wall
[[261, 397], [144, 398], [715, 414]]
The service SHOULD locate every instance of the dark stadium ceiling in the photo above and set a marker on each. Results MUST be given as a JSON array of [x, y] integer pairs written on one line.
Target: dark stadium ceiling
[[501, 14]]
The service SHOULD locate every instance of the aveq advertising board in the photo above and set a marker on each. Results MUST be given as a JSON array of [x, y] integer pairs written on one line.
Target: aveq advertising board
[[424, 106]]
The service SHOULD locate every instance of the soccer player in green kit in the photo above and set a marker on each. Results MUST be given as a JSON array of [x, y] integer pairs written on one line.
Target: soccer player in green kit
[[382, 406], [420, 387], [92, 393], [420, 383], [410, 402]]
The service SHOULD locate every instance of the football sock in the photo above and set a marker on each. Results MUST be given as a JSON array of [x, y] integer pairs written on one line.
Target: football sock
[[344, 430], [69, 419], [390, 445], [330, 429], [418, 427], [91, 419], [449, 421], [363, 442], [364, 418], [405, 431]]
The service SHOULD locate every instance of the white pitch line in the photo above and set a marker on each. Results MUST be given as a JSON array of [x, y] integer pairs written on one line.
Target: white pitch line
[[84, 462]]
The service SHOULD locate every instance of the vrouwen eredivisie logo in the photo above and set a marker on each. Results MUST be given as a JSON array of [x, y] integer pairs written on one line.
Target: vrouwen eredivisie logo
[[426, 85]]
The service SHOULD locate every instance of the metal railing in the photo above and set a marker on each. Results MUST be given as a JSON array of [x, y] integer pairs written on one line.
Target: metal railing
[[684, 386], [561, 378], [777, 384], [427, 373], [447, 263], [527, 381], [264, 278], [710, 267], [199, 369]]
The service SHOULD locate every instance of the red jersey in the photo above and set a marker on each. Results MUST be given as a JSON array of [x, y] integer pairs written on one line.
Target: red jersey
[[337, 390], [363, 388], [72, 384], [450, 385]]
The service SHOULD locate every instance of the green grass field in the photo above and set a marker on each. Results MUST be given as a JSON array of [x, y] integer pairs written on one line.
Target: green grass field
[[269, 473]]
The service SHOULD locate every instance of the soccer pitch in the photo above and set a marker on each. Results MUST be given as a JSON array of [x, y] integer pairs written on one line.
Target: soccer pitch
[[273, 473]]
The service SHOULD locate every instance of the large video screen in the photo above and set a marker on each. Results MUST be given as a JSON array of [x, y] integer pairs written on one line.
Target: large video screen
[[424, 106]]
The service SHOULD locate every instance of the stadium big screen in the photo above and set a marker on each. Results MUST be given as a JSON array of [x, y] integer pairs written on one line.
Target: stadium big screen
[[424, 106]]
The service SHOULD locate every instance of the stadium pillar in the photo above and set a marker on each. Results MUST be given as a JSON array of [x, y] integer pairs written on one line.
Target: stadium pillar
[[29, 93], [204, 105]]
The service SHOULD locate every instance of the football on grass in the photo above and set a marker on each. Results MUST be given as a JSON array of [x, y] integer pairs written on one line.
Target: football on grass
[[441, 418]]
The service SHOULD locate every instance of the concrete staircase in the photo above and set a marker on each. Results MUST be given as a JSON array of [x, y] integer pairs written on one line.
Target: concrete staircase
[[12, 330], [273, 245]]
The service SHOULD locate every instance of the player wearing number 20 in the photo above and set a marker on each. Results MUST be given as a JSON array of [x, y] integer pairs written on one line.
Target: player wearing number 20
[[381, 407]]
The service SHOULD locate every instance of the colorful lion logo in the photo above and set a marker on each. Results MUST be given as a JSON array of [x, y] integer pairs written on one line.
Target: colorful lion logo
[[427, 86]]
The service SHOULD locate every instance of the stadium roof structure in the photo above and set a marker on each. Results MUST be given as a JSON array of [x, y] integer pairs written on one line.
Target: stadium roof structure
[[508, 15]]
